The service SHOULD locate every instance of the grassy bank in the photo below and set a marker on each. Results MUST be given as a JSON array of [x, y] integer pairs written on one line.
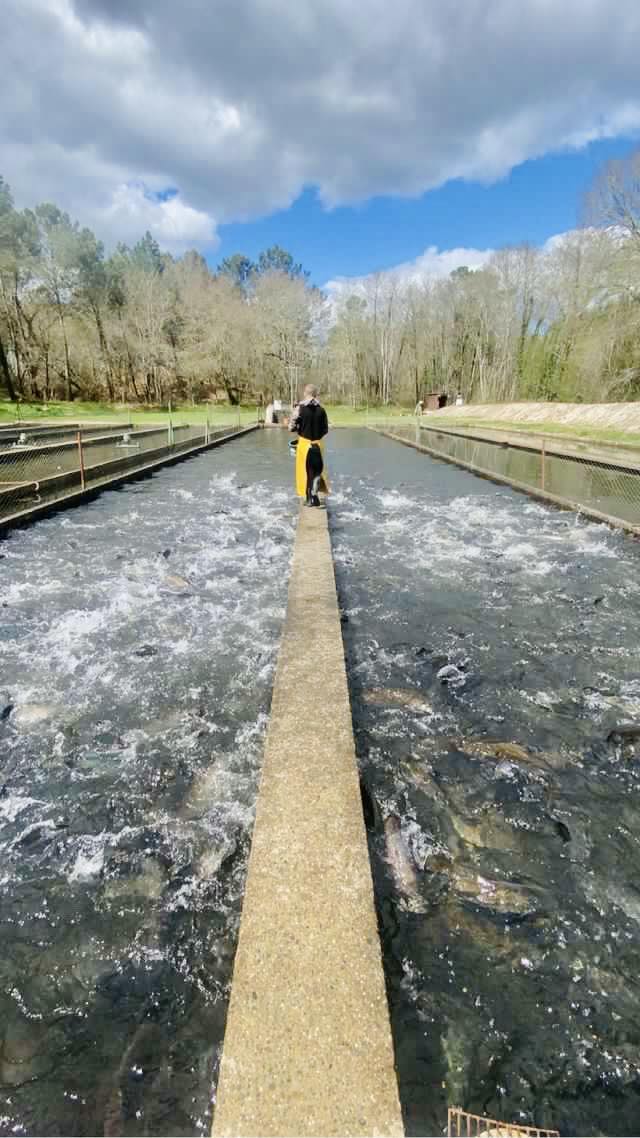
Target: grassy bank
[[116, 413], [339, 416], [609, 435]]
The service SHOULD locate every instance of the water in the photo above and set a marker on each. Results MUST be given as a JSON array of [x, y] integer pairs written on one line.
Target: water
[[507, 881], [608, 489], [138, 640]]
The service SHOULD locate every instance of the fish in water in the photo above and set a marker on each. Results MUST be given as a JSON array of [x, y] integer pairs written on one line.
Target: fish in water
[[175, 584], [499, 896], [399, 697], [146, 650], [402, 865], [510, 752], [624, 733], [494, 750], [32, 714]]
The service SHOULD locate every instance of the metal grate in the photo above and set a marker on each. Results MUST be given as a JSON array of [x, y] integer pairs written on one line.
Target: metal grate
[[461, 1124]]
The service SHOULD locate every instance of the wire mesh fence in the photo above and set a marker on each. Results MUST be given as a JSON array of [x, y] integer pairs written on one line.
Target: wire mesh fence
[[26, 434], [597, 482], [37, 472], [461, 1124]]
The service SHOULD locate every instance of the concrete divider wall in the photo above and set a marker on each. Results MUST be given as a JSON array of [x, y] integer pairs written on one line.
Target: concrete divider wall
[[10, 454], [52, 483], [9, 434], [308, 1047], [62, 490]]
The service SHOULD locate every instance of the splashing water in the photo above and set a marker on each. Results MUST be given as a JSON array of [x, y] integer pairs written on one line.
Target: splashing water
[[492, 650], [138, 639]]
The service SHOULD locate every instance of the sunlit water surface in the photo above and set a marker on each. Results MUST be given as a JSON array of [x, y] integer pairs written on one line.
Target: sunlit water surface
[[138, 644], [138, 639], [506, 878]]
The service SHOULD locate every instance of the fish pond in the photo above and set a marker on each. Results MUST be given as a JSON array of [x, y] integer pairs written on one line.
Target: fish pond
[[138, 637], [493, 659], [492, 653]]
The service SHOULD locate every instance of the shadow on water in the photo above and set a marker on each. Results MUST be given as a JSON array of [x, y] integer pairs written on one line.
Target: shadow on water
[[138, 638], [492, 653]]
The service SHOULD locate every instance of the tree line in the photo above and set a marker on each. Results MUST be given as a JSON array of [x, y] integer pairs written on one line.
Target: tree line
[[139, 325], [560, 322]]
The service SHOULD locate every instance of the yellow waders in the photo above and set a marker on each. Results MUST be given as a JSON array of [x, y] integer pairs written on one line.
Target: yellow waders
[[301, 468]]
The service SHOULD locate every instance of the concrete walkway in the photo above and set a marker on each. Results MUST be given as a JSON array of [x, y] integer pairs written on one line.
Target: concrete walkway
[[308, 1047]]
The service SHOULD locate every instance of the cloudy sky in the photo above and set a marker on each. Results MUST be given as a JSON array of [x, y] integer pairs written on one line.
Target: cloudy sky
[[358, 133]]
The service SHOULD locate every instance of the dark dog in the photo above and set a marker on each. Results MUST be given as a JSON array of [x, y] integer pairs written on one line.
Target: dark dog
[[314, 467]]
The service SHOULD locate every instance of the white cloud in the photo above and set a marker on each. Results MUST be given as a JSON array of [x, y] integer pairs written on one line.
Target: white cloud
[[433, 264], [176, 225], [243, 103]]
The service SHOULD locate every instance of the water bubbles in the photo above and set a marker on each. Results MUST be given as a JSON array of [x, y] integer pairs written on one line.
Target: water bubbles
[[518, 896], [151, 763]]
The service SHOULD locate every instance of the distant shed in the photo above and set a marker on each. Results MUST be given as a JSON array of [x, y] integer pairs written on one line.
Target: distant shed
[[434, 400]]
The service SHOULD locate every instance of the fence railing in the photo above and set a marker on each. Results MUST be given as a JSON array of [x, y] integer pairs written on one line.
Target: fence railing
[[35, 474], [594, 480], [30, 433], [461, 1124]]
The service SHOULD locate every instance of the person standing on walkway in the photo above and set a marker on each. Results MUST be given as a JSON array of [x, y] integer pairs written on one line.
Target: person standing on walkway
[[311, 423]]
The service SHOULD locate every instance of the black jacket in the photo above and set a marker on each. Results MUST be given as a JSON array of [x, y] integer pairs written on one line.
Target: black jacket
[[311, 421]]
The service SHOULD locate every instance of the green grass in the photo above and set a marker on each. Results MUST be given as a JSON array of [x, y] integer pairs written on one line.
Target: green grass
[[116, 413], [340, 415], [343, 416], [588, 434]]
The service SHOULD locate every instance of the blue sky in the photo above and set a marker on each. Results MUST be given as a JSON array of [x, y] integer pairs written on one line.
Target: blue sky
[[454, 123], [538, 199]]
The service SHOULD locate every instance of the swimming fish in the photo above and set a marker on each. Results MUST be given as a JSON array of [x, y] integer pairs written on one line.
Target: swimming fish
[[175, 584], [400, 697], [402, 865]]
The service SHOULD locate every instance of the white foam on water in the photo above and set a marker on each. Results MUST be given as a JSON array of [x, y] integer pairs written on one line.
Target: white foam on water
[[14, 804], [542, 568], [19, 592], [420, 844], [522, 552], [89, 859], [394, 500]]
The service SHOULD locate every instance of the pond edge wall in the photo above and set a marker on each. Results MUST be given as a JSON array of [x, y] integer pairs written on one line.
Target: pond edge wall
[[522, 487], [308, 1047], [127, 470]]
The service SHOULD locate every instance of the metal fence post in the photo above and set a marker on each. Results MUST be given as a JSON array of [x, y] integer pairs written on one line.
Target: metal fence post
[[81, 459], [206, 429], [542, 464]]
